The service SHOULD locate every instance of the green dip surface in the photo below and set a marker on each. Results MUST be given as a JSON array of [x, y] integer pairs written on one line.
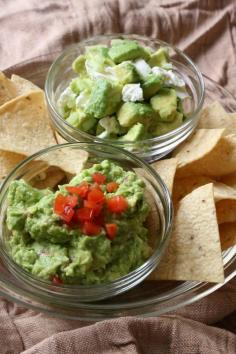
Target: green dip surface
[[124, 91], [42, 243]]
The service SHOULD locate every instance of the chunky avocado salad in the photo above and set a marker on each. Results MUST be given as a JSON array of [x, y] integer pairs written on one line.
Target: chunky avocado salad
[[126, 92], [89, 231]]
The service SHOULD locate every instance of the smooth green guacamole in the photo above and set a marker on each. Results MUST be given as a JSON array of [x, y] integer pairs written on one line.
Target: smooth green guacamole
[[89, 231], [124, 91]]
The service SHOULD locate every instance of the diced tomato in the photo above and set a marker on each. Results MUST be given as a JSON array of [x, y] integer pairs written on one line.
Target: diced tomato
[[96, 207], [112, 187], [84, 214], [96, 196], [117, 204], [111, 230], [71, 200], [81, 190], [56, 280], [99, 219], [59, 204], [90, 228], [67, 214], [61, 201], [99, 178]]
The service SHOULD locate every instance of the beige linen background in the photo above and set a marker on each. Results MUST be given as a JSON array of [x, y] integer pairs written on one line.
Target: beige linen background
[[206, 31]]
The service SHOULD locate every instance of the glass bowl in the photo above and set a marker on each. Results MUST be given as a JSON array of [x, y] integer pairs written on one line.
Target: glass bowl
[[61, 73], [35, 168], [150, 298]]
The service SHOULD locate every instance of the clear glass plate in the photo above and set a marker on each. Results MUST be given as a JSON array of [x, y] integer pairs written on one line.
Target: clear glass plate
[[151, 298]]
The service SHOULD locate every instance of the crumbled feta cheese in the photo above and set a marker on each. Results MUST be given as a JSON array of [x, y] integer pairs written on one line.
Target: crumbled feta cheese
[[182, 94], [132, 93], [81, 100], [66, 100], [172, 79], [175, 79], [110, 125], [142, 67], [167, 66], [97, 75]]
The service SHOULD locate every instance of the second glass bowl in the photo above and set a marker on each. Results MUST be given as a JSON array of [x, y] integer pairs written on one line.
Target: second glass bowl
[[61, 73], [35, 168]]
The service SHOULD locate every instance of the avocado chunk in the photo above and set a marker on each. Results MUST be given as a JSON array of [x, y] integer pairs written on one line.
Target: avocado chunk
[[126, 73], [160, 57], [79, 84], [152, 85], [80, 120], [165, 127], [132, 112], [165, 104], [127, 50], [104, 99], [78, 64], [135, 133], [97, 50]]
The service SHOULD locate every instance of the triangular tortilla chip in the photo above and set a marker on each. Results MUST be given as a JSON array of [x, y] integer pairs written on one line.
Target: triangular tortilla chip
[[7, 89], [166, 169], [23, 86], [227, 235], [214, 117], [24, 124], [226, 211], [196, 158], [184, 186], [194, 252], [8, 160]]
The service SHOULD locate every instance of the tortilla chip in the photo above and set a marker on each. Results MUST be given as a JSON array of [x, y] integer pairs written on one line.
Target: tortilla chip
[[230, 180], [166, 169], [226, 211], [222, 192], [184, 186], [8, 160], [49, 178], [24, 124], [60, 139], [7, 89], [194, 252], [70, 160], [195, 157], [227, 235], [23, 86], [214, 116]]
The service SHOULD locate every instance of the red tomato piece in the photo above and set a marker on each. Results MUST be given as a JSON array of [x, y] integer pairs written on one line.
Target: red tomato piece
[[90, 228], [96, 196], [71, 200], [56, 280], [63, 206], [59, 204], [99, 178], [112, 187], [117, 204], [84, 214], [111, 230], [67, 214], [81, 190], [95, 207]]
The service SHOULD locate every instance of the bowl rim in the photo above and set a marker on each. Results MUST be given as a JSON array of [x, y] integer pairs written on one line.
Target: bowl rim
[[158, 252], [114, 142]]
